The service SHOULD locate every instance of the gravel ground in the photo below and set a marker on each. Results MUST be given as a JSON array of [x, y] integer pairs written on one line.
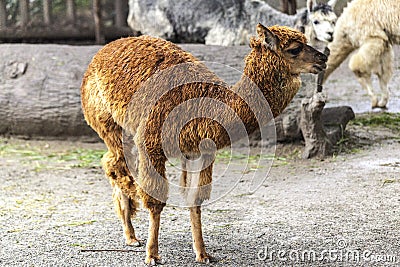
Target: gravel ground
[[341, 211]]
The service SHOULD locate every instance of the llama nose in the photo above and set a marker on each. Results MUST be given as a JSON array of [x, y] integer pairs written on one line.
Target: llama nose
[[330, 39], [322, 57]]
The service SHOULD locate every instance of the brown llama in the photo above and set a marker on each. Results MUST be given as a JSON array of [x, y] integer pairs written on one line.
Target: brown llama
[[122, 68]]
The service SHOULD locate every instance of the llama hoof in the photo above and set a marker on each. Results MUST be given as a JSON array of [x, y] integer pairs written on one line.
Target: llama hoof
[[374, 102], [382, 104], [382, 107], [205, 259], [155, 262], [134, 243]]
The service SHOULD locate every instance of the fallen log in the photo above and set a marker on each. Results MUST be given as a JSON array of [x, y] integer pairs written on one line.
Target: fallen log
[[40, 85], [39, 89]]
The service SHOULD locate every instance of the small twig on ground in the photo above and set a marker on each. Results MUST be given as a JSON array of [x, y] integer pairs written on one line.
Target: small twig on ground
[[112, 250]]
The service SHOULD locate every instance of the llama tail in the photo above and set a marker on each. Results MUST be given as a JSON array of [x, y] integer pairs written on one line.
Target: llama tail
[[340, 48]]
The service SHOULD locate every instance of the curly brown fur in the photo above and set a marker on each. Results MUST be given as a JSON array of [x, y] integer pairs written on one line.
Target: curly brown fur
[[129, 85]]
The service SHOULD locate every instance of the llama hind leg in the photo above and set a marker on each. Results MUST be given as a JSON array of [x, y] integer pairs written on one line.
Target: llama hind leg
[[365, 80], [126, 209], [196, 183], [367, 61], [385, 74], [124, 195]]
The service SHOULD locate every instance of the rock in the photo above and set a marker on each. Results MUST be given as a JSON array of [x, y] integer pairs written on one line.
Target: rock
[[335, 120], [222, 22]]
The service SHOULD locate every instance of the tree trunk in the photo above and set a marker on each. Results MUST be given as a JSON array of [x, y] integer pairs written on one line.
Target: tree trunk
[[47, 17], [71, 11], [292, 7], [24, 12], [98, 23], [289, 6], [3, 14], [121, 6], [317, 142]]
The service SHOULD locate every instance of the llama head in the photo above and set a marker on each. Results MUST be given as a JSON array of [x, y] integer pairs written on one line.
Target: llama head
[[280, 46], [322, 19]]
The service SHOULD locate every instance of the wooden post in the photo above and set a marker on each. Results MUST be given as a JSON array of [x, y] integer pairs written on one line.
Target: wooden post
[[24, 12], [47, 16], [289, 6], [317, 142], [120, 7], [3, 14], [71, 12], [98, 24]]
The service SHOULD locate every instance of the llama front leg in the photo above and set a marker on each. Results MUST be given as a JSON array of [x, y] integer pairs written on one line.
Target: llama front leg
[[196, 181], [197, 235], [363, 74], [385, 93], [152, 256], [153, 190], [365, 80], [125, 203]]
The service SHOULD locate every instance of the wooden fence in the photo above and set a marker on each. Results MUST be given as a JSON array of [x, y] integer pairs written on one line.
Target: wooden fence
[[47, 20]]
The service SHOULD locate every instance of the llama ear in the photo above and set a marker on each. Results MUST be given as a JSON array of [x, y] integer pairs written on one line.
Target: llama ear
[[332, 3], [269, 39], [310, 5]]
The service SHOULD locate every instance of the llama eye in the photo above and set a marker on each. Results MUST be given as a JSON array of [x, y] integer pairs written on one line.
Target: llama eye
[[295, 51], [316, 22]]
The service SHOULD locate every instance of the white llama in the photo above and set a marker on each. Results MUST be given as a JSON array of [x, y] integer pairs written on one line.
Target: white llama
[[372, 27], [317, 22]]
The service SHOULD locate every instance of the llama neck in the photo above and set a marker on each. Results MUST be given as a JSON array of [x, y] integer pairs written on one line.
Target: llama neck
[[275, 85]]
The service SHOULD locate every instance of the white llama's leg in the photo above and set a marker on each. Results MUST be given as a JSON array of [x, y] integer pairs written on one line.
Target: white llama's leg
[[365, 80], [339, 50], [365, 61], [385, 74]]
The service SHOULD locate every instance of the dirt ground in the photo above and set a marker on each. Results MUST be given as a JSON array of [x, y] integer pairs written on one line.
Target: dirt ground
[[55, 203], [56, 207]]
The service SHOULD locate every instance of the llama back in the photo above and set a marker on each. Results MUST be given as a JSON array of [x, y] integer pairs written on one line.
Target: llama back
[[133, 78], [382, 21], [120, 68]]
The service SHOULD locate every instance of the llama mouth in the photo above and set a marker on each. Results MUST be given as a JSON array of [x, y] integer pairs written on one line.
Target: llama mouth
[[319, 68]]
